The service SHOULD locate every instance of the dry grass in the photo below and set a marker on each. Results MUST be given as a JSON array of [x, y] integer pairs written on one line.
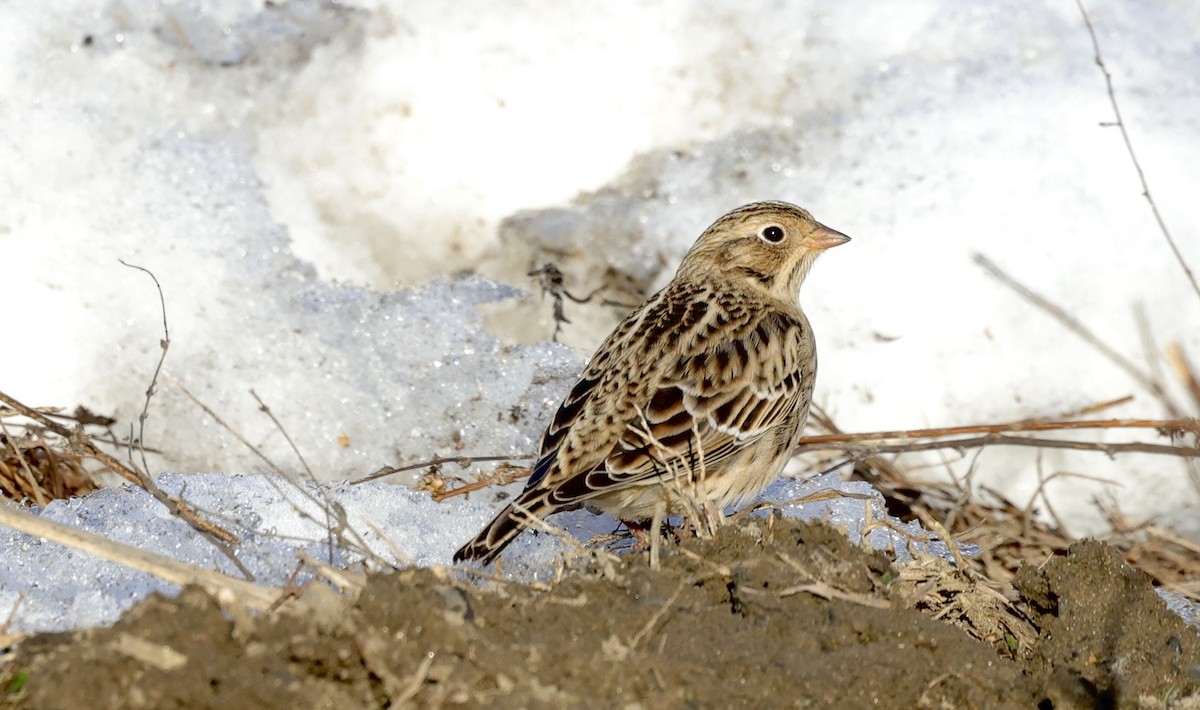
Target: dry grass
[[1010, 535], [40, 462], [39, 465]]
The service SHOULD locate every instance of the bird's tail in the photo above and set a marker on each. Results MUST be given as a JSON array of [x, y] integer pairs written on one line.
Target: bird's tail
[[504, 528]]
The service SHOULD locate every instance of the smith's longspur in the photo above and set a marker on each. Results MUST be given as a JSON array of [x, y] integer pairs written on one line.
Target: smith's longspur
[[702, 392]]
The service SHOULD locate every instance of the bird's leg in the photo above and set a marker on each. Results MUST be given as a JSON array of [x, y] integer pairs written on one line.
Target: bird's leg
[[646, 532], [656, 534], [711, 518], [640, 530]]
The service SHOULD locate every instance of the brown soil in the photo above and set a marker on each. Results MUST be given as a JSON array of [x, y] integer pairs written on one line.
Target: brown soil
[[770, 614]]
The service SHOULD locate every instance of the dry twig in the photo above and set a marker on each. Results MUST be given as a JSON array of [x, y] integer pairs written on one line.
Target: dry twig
[[84, 444], [251, 595], [1073, 324], [1137, 165]]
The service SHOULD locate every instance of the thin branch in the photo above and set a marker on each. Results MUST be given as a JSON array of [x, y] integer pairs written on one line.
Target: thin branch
[[216, 534], [551, 281], [1185, 372], [863, 446], [262, 407], [176, 504], [1164, 425], [236, 434], [1072, 324], [504, 475], [436, 461], [165, 568], [327, 506], [1097, 407], [331, 508], [81, 417], [1120, 123], [220, 538], [1150, 350], [164, 345], [325, 503], [1003, 440]]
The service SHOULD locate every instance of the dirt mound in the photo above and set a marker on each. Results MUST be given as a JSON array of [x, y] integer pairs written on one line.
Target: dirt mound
[[769, 614]]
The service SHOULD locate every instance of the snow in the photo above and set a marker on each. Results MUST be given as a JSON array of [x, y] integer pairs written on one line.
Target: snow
[[275, 518], [311, 181]]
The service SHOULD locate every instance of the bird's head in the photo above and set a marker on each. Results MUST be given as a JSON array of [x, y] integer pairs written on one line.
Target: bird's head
[[770, 245]]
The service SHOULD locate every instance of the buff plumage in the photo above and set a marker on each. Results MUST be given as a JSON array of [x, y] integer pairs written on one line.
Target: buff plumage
[[702, 391]]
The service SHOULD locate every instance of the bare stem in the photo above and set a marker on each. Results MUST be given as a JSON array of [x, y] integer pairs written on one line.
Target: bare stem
[[1120, 123]]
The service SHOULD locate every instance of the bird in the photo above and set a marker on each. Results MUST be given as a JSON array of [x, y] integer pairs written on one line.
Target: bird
[[701, 392]]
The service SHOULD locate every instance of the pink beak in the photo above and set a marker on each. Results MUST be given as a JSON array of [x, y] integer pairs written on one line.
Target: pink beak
[[824, 238]]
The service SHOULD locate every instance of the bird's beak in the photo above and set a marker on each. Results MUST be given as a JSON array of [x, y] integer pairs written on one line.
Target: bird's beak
[[823, 238]]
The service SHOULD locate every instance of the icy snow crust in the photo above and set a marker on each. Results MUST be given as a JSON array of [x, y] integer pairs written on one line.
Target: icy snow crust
[[310, 181], [275, 519]]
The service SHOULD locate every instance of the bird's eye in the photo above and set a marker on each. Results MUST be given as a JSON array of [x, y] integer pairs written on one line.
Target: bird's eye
[[772, 234]]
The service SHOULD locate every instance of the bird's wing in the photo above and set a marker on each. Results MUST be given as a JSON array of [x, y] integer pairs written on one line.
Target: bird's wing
[[719, 395], [589, 421], [590, 402]]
